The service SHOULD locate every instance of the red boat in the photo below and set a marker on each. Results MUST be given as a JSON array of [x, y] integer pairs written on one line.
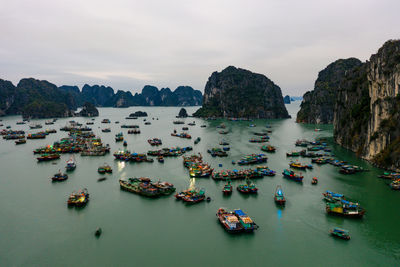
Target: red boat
[[48, 157]]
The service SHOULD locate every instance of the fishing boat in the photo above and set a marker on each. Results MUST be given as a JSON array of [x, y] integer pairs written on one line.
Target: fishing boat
[[217, 152], [247, 188], [262, 139], [292, 175], [101, 179], [390, 175], [197, 140], [48, 157], [35, 126], [332, 197], [298, 165], [192, 196], [154, 141], [160, 159], [252, 159], [106, 130], [229, 221], [279, 196], [395, 185], [223, 132], [224, 143], [104, 169], [302, 143], [119, 137], [340, 233], [145, 187], [78, 199], [182, 135], [105, 121], [268, 148], [135, 131], [58, 177], [314, 181], [245, 221], [125, 143], [20, 141], [71, 164], [227, 190], [293, 154], [345, 208]]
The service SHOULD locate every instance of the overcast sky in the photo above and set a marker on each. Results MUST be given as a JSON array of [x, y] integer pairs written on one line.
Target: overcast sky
[[166, 43]]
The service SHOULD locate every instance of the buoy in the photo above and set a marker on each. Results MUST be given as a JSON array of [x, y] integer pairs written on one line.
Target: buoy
[[208, 199]]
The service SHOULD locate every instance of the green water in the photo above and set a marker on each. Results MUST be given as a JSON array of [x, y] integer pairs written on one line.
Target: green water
[[37, 228]]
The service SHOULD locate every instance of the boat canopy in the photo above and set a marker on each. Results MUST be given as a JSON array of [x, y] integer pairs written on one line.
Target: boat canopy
[[240, 212]]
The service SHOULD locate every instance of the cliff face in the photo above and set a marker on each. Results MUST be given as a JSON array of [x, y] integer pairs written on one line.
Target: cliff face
[[236, 92], [88, 110], [317, 106], [367, 118]]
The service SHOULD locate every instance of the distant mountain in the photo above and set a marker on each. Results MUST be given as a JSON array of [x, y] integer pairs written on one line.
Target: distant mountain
[[35, 99], [42, 99], [240, 93]]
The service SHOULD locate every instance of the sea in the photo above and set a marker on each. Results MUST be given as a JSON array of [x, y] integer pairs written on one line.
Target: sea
[[38, 229]]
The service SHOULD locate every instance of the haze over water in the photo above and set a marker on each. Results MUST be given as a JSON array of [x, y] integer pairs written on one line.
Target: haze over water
[[37, 228]]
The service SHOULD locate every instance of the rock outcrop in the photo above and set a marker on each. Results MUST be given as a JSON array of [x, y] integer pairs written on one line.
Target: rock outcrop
[[88, 110], [138, 114], [286, 99], [236, 92], [182, 113], [367, 109], [317, 106]]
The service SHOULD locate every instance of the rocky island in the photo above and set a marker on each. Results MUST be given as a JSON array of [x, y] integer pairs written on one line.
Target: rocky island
[[88, 110], [286, 99], [240, 93]]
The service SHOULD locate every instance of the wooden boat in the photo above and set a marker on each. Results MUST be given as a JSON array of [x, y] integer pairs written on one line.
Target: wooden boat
[[58, 177], [293, 154], [345, 208], [48, 157], [340, 233], [229, 221], [247, 188], [245, 221], [71, 164], [332, 197], [395, 185], [314, 181], [292, 175], [252, 159], [105, 121], [197, 140], [279, 196], [98, 232], [78, 199], [106, 130], [101, 179], [119, 137], [154, 141], [268, 148], [227, 190], [104, 169], [145, 187], [298, 165], [390, 176], [160, 159], [125, 143], [20, 141], [135, 131], [192, 196]]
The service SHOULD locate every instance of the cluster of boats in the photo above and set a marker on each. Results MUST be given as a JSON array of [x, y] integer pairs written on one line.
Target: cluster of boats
[[258, 172], [197, 168], [119, 137], [126, 155], [105, 168], [169, 152], [145, 187]]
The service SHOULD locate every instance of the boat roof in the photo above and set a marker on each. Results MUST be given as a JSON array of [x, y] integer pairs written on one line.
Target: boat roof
[[239, 212], [340, 230]]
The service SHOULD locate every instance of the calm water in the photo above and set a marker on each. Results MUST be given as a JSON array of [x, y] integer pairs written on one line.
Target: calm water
[[37, 228]]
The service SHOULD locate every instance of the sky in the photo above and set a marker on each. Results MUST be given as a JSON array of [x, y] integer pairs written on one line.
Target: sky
[[127, 44]]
